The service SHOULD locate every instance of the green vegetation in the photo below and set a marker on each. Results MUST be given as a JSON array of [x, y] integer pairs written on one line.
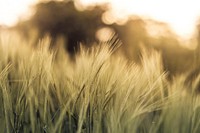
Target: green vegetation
[[99, 92]]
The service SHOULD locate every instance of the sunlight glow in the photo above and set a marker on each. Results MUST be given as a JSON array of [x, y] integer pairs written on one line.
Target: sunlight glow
[[12, 10], [181, 15]]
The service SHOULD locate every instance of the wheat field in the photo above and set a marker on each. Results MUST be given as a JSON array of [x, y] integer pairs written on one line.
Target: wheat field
[[43, 91]]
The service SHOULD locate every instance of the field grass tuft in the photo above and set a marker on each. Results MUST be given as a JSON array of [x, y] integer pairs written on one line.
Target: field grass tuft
[[42, 91]]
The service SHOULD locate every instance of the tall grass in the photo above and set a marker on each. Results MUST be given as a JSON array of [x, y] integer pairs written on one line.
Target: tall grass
[[100, 92]]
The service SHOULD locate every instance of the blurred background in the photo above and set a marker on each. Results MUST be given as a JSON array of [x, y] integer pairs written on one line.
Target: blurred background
[[169, 26]]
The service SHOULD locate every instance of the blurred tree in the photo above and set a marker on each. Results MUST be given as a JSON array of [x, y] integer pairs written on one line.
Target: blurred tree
[[63, 19], [136, 33], [132, 34]]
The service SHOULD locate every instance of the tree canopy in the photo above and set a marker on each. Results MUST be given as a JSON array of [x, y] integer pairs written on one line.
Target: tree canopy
[[62, 18]]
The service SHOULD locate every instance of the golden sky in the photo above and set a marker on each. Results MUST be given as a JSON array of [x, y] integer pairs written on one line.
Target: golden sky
[[182, 15]]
